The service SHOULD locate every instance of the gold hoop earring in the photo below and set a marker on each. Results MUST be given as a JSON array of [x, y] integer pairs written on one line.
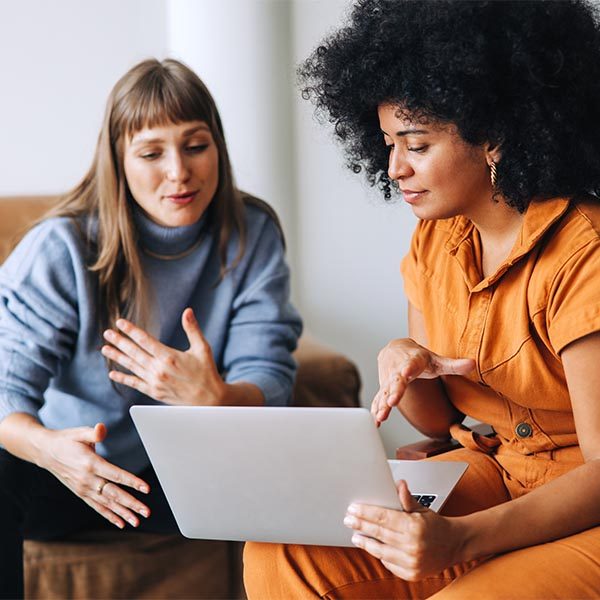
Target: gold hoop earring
[[493, 173]]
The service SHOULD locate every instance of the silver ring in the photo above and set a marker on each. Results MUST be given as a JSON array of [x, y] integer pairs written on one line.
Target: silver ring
[[101, 487]]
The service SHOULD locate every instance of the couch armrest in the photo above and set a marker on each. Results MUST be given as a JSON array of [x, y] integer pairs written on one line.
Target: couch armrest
[[325, 377]]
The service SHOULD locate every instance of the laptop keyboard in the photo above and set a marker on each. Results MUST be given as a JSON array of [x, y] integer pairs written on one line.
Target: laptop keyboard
[[425, 500]]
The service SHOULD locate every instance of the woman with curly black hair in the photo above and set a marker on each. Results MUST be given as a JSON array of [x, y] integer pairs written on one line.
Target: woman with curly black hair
[[486, 117]]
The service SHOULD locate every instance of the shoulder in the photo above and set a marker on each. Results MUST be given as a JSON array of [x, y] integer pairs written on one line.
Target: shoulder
[[52, 245], [261, 221], [577, 233]]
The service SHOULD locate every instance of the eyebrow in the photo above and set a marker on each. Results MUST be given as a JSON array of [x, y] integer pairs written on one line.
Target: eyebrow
[[186, 133], [405, 132]]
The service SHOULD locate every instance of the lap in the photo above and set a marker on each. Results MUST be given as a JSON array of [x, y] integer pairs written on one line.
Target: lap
[[565, 568], [49, 510]]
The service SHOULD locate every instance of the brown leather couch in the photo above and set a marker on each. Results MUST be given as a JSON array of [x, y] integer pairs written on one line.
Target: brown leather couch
[[135, 565]]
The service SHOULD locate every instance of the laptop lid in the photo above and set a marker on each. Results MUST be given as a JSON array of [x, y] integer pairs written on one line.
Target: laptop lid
[[273, 474]]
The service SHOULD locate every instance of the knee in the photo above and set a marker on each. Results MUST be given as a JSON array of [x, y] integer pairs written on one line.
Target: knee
[[260, 565]]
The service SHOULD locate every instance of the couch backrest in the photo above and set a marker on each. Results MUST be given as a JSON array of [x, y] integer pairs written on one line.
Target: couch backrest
[[17, 213]]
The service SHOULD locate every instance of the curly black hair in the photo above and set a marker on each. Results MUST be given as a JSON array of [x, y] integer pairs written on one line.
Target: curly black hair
[[522, 74]]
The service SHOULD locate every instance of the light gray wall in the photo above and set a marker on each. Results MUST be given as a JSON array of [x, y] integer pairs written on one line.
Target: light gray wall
[[58, 60]]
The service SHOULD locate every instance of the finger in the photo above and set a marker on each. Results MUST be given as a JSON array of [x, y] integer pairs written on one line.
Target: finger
[[415, 365], [375, 514], [451, 366], [144, 340], [123, 504], [399, 570], [192, 329], [374, 530], [111, 472], [108, 514], [396, 389], [88, 435], [131, 381], [408, 503], [376, 548], [124, 361], [131, 355]]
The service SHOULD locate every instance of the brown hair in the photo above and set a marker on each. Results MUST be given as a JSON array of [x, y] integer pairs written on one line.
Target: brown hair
[[150, 94]]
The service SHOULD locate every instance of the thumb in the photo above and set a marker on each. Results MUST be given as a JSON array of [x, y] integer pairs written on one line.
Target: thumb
[[90, 435], [409, 504], [191, 328], [452, 366]]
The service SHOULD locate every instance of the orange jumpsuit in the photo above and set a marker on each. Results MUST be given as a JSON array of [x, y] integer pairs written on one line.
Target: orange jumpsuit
[[514, 323]]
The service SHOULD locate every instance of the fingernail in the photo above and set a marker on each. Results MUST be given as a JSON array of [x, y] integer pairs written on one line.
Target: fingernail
[[144, 489], [349, 521], [144, 513], [133, 522], [118, 524], [356, 540], [109, 334], [353, 509]]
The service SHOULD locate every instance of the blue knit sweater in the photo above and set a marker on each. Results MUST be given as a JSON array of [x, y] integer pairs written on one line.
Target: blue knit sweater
[[50, 361]]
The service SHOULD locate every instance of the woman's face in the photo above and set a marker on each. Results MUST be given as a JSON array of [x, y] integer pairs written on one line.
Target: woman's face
[[440, 175], [172, 171]]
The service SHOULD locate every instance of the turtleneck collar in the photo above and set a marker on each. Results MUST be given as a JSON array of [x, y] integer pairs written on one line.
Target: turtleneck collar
[[166, 241]]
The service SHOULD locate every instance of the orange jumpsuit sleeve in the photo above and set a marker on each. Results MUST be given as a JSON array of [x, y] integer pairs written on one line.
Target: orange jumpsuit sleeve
[[574, 300]]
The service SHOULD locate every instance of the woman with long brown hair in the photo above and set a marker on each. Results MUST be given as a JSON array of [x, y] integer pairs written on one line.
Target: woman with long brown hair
[[158, 253]]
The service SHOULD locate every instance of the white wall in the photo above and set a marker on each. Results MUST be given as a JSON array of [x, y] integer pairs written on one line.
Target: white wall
[[349, 241], [241, 49], [59, 60]]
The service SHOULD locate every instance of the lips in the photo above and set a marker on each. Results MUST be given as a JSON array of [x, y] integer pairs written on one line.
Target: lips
[[182, 197], [412, 196]]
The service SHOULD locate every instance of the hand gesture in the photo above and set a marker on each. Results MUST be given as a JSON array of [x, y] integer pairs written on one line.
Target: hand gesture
[[413, 543], [402, 361], [71, 457], [161, 372]]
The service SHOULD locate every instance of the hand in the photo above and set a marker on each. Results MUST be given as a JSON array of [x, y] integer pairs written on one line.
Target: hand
[[413, 543], [403, 360], [161, 372], [70, 456]]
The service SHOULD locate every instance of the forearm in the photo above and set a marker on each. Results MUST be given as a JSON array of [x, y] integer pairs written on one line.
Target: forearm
[[426, 406], [22, 435], [555, 510], [242, 394]]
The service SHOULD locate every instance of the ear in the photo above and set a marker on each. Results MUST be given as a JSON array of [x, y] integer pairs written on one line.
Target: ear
[[493, 153]]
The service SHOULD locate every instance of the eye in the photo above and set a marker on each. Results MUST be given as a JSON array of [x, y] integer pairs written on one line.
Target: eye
[[196, 148], [418, 149], [150, 155]]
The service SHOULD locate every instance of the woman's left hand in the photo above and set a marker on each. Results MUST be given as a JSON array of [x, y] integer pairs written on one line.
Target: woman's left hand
[[413, 543], [161, 372]]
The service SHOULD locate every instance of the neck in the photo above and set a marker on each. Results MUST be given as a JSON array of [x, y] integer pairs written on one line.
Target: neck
[[499, 226]]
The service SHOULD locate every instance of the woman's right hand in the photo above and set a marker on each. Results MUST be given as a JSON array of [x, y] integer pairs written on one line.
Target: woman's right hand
[[402, 361], [69, 454]]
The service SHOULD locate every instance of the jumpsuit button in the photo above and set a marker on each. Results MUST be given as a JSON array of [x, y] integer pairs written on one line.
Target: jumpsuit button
[[523, 430]]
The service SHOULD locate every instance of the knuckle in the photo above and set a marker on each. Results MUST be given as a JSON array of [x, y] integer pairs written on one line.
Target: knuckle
[[162, 376]]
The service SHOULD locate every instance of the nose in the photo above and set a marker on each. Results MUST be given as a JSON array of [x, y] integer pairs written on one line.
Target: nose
[[176, 168], [398, 165]]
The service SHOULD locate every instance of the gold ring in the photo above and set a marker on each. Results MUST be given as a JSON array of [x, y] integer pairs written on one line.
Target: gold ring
[[101, 486]]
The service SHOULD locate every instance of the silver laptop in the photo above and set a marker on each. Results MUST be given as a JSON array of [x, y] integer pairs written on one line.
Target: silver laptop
[[278, 474]]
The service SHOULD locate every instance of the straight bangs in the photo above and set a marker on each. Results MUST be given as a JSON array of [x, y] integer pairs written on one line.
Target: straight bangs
[[162, 96]]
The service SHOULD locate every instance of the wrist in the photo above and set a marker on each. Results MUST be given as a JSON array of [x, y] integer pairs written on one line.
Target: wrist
[[24, 436], [469, 535]]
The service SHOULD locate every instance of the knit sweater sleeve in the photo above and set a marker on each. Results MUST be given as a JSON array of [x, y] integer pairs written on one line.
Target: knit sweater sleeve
[[38, 313], [264, 327]]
